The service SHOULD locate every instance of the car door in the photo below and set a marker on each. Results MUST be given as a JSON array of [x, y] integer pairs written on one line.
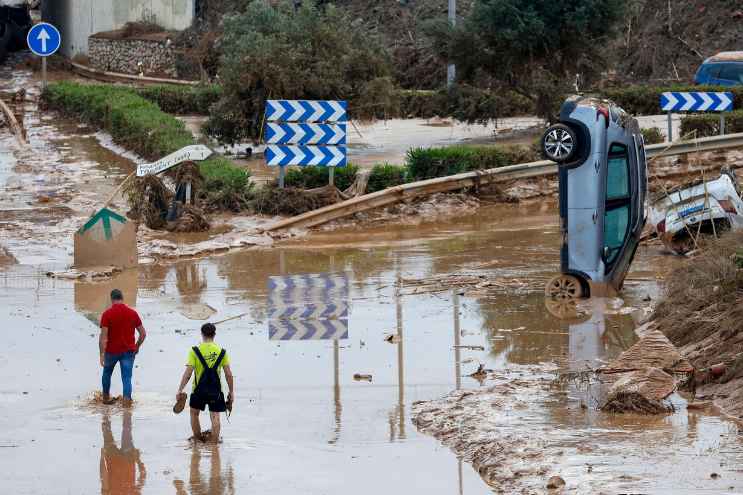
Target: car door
[[731, 74], [618, 204]]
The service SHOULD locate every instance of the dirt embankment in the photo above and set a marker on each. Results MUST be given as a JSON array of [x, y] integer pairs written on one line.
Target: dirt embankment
[[702, 314]]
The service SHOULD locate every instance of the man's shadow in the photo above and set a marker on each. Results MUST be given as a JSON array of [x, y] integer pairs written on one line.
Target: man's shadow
[[122, 469], [217, 483]]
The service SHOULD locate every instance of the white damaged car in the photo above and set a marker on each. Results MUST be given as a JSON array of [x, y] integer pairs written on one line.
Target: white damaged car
[[709, 207]]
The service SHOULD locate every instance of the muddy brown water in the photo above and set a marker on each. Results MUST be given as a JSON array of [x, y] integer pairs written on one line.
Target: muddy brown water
[[302, 424]]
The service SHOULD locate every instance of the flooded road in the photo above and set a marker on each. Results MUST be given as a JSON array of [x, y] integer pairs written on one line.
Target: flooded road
[[302, 423]]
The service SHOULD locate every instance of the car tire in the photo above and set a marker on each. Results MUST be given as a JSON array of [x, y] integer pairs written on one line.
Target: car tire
[[560, 143], [564, 286]]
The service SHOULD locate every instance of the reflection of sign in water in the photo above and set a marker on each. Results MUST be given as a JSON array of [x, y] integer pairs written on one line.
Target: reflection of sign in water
[[308, 307]]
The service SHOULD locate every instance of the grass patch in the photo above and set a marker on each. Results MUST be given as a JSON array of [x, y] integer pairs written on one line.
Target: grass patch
[[141, 126], [315, 177], [182, 100], [386, 175]]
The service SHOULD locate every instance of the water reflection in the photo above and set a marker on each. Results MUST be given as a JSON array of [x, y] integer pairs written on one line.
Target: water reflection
[[93, 298], [121, 467], [215, 483]]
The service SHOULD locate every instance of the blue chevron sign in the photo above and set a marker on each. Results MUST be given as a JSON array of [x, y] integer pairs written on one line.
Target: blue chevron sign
[[319, 156], [306, 111], [308, 329], [305, 133], [698, 101], [308, 307]]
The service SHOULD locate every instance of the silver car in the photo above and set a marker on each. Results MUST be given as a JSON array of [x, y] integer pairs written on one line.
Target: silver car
[[603, 184]]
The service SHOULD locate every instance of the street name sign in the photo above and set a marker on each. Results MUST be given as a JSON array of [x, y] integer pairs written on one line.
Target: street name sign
[[193, 153]]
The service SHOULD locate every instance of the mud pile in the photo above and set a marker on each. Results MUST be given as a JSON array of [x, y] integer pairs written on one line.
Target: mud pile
[[701, 313]]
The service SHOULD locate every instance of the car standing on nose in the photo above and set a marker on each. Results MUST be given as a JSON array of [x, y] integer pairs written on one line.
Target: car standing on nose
[[602, 176]]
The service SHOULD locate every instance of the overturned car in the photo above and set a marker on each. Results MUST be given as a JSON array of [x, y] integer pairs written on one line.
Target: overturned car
[[603, 184], [703, 207]]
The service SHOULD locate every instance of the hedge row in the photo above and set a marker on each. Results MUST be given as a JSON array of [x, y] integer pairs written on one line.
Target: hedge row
[[182, 100], [141, 126], [709, 124], [422, 163], [645, 100]]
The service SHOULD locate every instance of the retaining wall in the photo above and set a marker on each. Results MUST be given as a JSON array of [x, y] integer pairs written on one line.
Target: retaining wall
[[152, 57]]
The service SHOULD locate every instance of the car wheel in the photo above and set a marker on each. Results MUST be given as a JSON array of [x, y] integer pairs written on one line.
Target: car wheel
[[564, 287], [559, 143]]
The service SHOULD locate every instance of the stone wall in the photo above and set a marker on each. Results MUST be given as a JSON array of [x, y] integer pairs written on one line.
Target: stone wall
[[153, 57]]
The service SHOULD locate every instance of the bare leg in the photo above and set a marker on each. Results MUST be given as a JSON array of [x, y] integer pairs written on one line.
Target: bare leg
[[195, 425], [216, 426]]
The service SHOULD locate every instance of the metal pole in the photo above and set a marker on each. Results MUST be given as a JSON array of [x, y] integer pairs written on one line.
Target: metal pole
[[188, 193], [43, 73], [670, 128], [457, 351], [722, 123], [451, 70], [400, 360], [281, 177], [331, 176]]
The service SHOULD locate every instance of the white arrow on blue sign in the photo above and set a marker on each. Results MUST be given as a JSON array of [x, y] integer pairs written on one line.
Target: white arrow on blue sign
[[329, 134], [313, 311], [306, 111], [43, 39], [698, 101], [319, 156]]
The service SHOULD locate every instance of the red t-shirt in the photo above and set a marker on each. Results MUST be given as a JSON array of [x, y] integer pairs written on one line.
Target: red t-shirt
[[121, 321]]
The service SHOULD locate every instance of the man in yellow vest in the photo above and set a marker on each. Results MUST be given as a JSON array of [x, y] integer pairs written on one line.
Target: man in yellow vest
[[208, 360]]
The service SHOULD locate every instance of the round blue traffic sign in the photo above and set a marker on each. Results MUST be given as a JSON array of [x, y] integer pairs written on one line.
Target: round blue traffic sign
[[43, 39]]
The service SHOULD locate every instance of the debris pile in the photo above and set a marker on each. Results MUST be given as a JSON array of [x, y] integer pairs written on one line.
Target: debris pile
[[701, 313], [471, 282], [148, 198]]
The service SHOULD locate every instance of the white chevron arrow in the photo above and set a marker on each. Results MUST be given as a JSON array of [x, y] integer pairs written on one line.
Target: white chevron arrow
[[671, 101], [725, 102], [707, 101], [689, 102], [315, 280]]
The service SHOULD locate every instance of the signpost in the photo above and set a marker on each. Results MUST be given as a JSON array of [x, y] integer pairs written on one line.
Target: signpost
[[698, 101], [306, 133], [308, 307], [43, 40], [193, 153]]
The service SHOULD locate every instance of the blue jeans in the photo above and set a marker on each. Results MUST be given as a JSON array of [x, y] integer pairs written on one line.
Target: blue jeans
[[126, 365]]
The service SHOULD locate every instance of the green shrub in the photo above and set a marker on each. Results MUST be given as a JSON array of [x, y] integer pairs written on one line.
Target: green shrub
[[709, 124], [182, 100], [645, 100], [652, 135], [465, 103], [141, 126], [427, 163], [385, 175], [314, 177]]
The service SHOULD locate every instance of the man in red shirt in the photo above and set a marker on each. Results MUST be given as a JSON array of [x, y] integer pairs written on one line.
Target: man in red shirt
[[117, 344]]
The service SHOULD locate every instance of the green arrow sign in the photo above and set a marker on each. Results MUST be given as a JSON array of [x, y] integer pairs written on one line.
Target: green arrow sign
[[105, 216]]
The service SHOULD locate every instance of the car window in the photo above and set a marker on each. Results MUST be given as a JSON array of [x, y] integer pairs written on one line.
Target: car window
[[732, 72], [615, 230], [617, 178], [710, 70]]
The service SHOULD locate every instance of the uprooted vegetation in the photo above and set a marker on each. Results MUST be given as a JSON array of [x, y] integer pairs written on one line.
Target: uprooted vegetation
[[701, 314]]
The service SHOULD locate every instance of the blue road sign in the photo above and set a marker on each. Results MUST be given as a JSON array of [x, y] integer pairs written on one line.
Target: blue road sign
[[324, 134], [698, 101], [319, 156], [43, 39], [306, 111], [308, 307]]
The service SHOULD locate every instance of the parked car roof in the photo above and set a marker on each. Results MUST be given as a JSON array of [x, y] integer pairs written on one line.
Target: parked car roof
[[726, 57]]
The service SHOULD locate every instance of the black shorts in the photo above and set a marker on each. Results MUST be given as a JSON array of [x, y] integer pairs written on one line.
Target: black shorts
[[198, 402]]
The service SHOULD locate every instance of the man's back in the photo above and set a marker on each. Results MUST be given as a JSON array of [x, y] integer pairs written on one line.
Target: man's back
[[211, 352], [121, 321]]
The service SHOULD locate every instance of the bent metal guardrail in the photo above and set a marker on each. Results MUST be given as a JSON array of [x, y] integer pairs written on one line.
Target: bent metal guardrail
[[476, 178]]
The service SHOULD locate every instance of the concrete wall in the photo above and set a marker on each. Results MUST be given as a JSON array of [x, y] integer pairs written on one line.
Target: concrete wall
[[78, 19]]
